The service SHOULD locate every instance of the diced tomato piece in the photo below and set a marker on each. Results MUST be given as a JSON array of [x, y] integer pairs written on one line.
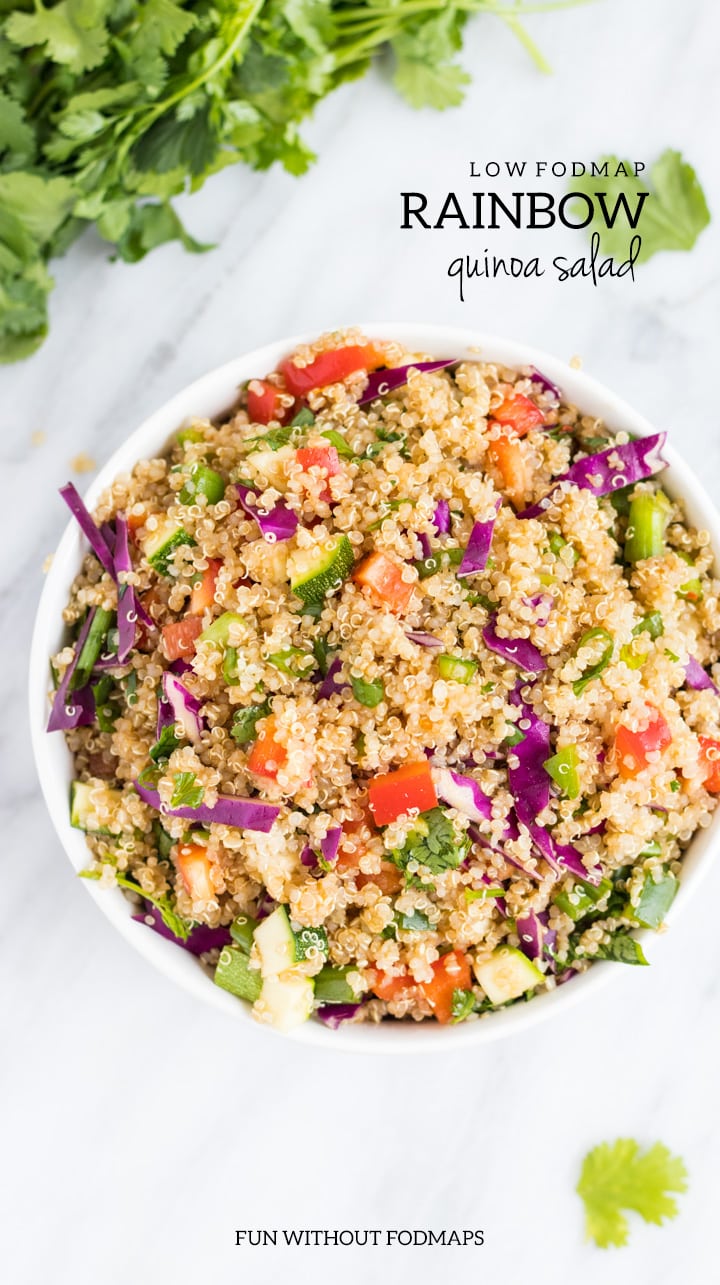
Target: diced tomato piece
[[710, 758], [324, 457], [267, 754], [330, 367], [451, 972], [388, 879], [179, 637], [506, 453], [383, 578], [135, 521], [519, 413], [193, 863], [263, 402], [390, 988], [203, 593], [395, 793], [632, 748], [352, 845]]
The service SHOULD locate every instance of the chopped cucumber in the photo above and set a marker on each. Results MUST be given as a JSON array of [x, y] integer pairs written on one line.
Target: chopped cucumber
[[507, 974], [161, 542], [317, 571], [331, 986], [276, 944], [234, 974], [242, 930], [219, 631], [456, 669], [285, 1002], [82, 808]]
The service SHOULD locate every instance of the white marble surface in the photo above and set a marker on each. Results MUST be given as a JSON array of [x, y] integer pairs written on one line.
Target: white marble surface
[[139, 1129]]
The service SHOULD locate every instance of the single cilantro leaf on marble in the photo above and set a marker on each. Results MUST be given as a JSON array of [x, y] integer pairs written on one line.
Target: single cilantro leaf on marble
[[617, 1177], [674, 213]]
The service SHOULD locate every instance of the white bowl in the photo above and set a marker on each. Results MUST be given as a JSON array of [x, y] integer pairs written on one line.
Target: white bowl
[[209, 396]]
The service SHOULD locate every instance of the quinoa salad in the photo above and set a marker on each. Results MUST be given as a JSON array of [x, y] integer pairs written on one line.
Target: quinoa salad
[[390, 692]]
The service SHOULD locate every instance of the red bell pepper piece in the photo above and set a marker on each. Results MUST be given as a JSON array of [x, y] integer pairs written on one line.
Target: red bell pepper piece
[[179, 637], [710, 757], [395, 793], [263, 402], [632, 748], [518, 413], [383, 578], [329, 367], [203, 594], [267, 754]]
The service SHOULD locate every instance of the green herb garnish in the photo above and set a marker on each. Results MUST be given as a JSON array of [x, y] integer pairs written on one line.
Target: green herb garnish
[[617, 1176], [432, 843], [244, 724], [672, 216], [165, 744], [463, 1003], [179, 927], [186, 793]]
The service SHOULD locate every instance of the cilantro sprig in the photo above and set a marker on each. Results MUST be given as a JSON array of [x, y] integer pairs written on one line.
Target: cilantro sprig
[[617, 1176], [432, 843], [111, 108], [673, 216], [178, 927]]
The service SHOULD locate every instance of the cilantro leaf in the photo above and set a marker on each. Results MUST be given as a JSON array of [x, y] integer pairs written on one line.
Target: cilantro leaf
[[463, 1004], [17, 136], [672, 218], [245, 721], [179, 927], [149, 226], [73, 32], [616, 1176], [186, 793], [163, 25], [425, 74], [165, 744], [432, 843], [623, 949]]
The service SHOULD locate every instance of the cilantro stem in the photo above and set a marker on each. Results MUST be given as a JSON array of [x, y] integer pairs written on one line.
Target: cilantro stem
[[243, 25], [528, 44], [397, 15]]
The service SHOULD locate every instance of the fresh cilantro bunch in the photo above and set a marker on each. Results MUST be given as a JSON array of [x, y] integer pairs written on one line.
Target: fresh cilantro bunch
[[110, 108]]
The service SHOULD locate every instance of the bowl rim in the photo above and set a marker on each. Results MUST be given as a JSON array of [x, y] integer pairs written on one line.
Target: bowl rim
[[210, 395]]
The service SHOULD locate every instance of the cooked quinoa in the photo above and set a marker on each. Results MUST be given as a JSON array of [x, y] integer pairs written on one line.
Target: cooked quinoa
[[488, 736]]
